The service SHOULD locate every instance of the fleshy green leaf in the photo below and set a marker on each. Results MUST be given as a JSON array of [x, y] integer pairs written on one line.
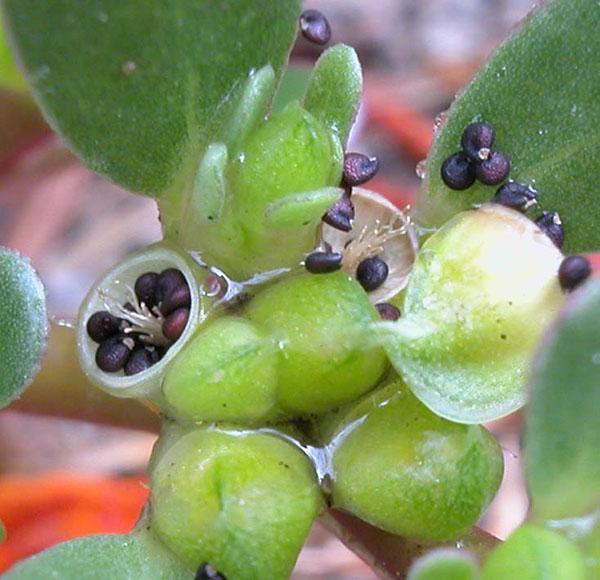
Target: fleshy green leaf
[[292, 88], [118, 557], [10, 77], [300, 208], [562, 437], [539, 91], [140, 87], [24, 324], [444, 564], [335, 89]]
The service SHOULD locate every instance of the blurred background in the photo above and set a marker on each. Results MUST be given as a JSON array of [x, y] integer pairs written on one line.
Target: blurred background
[[75, 469]]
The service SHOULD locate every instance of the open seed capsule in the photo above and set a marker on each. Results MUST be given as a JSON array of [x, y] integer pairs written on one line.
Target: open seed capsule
[[140, 374]]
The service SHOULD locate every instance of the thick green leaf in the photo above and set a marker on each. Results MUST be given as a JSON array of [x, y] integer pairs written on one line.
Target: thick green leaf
[[292, 87], [10, 77], [118, 557], [444, 564], [540, 92], [562, 437], [24, 324], [140, 87]]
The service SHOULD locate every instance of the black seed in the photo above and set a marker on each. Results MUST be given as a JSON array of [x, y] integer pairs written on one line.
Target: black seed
[[458, 172], [340, 214], [140, 360], [102, 325], [168, 281], [178, 297], [112, 354], [387, 311], [573, 271], [550, 223], [515, 195], [372, 273], [314, 27], [359, 168], [323, 262], [145, 288], [477, 140], [494, 169], [175, 323]]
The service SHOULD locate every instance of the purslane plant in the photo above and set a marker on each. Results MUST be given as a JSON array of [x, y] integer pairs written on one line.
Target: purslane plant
[[306, 343]]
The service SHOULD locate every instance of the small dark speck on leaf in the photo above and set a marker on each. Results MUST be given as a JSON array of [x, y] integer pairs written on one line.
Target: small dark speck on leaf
[[503, 336]]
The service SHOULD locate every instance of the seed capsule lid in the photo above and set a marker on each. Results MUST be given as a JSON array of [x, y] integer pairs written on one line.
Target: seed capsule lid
[[116, 288], [379, 229]]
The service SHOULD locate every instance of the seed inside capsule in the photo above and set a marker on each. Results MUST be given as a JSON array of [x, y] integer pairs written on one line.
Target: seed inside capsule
[[340, 214], [550, 223], [516, 195], [494, 169], [477, 141], [141, 359], [387, 311], [178, 297], [457, 172], [315, 27], [323, 262], [359, 168], [102, 325], [175, 323], [208, 572], [145, 288], [573, 271], [372, 273], [112, 354], [168, 281]]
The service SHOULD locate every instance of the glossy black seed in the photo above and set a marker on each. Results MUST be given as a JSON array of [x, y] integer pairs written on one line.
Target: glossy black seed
[[477, 140], [102, 325], [323, 262], [573, 271], [178, 297], [175, 323], [140, 360], [112, 354], [372, 273], [516, 195], [359, 168], [550, 223], [207, 572], [145, 288], [494, 169], [387, 311], [458, 172], [314, 27], [168, 281], [340, 214]]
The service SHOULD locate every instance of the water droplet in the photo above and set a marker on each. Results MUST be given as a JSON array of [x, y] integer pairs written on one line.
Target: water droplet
[[102, 17], [241, 157], [128, 68], [574, 110], [596, 358], [440, 121], [421, 169]]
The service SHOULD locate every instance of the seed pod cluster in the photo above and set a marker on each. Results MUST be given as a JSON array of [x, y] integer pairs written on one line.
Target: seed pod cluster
[[477, 160], [140, 337]]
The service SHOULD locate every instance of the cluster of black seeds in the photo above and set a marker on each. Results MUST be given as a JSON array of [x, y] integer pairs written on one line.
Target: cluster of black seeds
[[133, 343], [477, 160]]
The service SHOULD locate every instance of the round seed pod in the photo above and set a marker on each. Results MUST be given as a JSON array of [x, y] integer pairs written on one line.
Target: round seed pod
[[175, 323], [372, 273], [458, 172], [323, 262], [102, 325], [438, 476], [358, 169], [315, 27], [573, 271], [516, 196], [145, 288], [477, 141], [214, 489], [551, 225], [112, 354], [494, 169], [177, 297], [114, 289], [139, 360]]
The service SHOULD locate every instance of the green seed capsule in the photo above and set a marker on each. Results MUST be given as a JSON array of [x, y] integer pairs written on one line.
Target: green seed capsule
[[408, 471], [243, 501], [481, 293], [226, 372], [320, 323]]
